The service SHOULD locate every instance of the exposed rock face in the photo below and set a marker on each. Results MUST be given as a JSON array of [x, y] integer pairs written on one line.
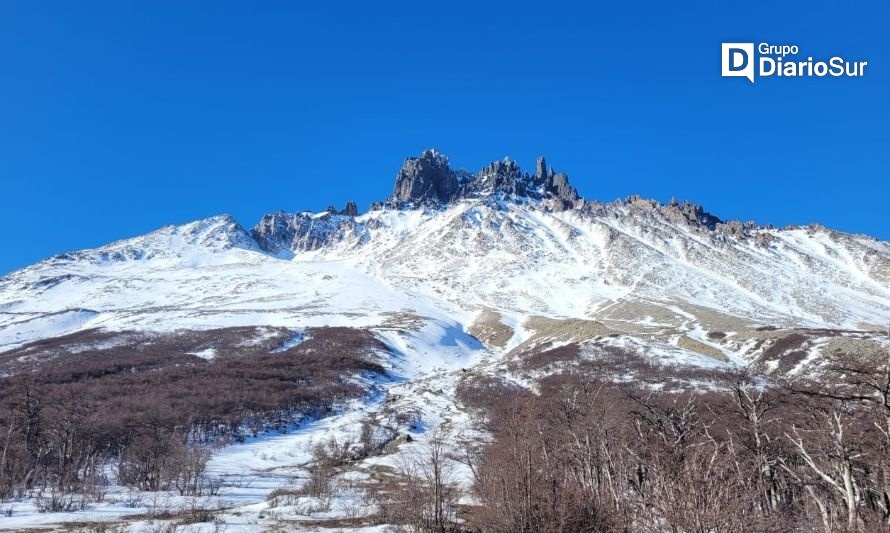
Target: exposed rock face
[[557, 185], [733, 228], [274, 232], [427, 177], [280, 231], [763, 239], [502, 176], [351, 210], [689, 213], [541, 169]]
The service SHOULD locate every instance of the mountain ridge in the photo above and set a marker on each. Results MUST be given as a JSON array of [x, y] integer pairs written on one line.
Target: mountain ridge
[[501, 240], [428, 182]]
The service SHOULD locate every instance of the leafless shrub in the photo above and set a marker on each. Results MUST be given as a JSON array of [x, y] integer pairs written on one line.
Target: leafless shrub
[[425, 497], [283, 496], [367, 439], [209, 485], [355, 508], [56, 501], [95, 527], [133, 499], [196, 515], [161, 527], [159, 507]]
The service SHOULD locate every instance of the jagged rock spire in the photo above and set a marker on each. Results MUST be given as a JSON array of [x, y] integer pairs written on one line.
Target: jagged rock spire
[[430, 178], [351, 210], [427, 177], [540, 169]]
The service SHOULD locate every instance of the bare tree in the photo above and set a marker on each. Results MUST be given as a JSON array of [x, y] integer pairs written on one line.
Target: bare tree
[[429, 501]]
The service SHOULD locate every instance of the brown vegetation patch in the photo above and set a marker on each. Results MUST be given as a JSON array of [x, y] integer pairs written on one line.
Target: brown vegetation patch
[[483, 392], [699, 347], [787, 352], [587, 454], [152, 408], [550, 331], [403, 320], [489, 329], [225, 342], [545, 358]]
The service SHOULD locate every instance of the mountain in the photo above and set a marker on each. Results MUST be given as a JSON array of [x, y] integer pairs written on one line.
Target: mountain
[[456, 280], [455, 246]]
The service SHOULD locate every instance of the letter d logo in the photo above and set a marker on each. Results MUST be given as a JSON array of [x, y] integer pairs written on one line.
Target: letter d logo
[[738, 60]]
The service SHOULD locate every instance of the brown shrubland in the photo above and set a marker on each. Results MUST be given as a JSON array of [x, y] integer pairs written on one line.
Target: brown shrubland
[[155, 411]]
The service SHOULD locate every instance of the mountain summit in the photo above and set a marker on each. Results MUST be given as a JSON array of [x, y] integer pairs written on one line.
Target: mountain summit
[[453, 244], [429, 177]]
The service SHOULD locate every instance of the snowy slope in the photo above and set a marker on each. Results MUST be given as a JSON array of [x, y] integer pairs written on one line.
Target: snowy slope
[[517, 257]]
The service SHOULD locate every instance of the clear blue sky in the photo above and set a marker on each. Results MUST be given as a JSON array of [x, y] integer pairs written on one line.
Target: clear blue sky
[[119, 117]]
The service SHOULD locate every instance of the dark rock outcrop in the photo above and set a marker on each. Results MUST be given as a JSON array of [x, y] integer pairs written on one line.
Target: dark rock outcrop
[[540, 169], [428, 182], [690, 214], [686, 213], [427, 177], [733, 228], [504, 176], [557, 185], [351, 210]]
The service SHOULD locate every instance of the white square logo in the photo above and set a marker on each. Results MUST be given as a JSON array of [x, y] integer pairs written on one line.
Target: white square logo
[[738, 60]]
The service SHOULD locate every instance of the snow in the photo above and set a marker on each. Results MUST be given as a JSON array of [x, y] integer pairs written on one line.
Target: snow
[[20, 331], [206, 354], [298, 337], [418, 278]]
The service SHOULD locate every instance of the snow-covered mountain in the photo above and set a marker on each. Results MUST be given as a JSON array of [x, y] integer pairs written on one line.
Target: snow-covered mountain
[[454, 247], [459, 275]]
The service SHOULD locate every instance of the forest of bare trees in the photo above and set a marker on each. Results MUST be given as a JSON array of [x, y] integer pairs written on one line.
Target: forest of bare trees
[[670, 450], [741, 453], [154, 414]]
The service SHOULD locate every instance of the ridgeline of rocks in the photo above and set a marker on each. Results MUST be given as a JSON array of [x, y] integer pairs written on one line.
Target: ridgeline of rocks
[[429, 181], [429, 178]]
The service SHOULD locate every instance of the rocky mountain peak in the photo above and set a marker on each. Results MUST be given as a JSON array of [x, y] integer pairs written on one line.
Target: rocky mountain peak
[[507, 177], [430, 178], [351, 210], [427, 177], [541, 169], [556, 185], [504, 176]]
